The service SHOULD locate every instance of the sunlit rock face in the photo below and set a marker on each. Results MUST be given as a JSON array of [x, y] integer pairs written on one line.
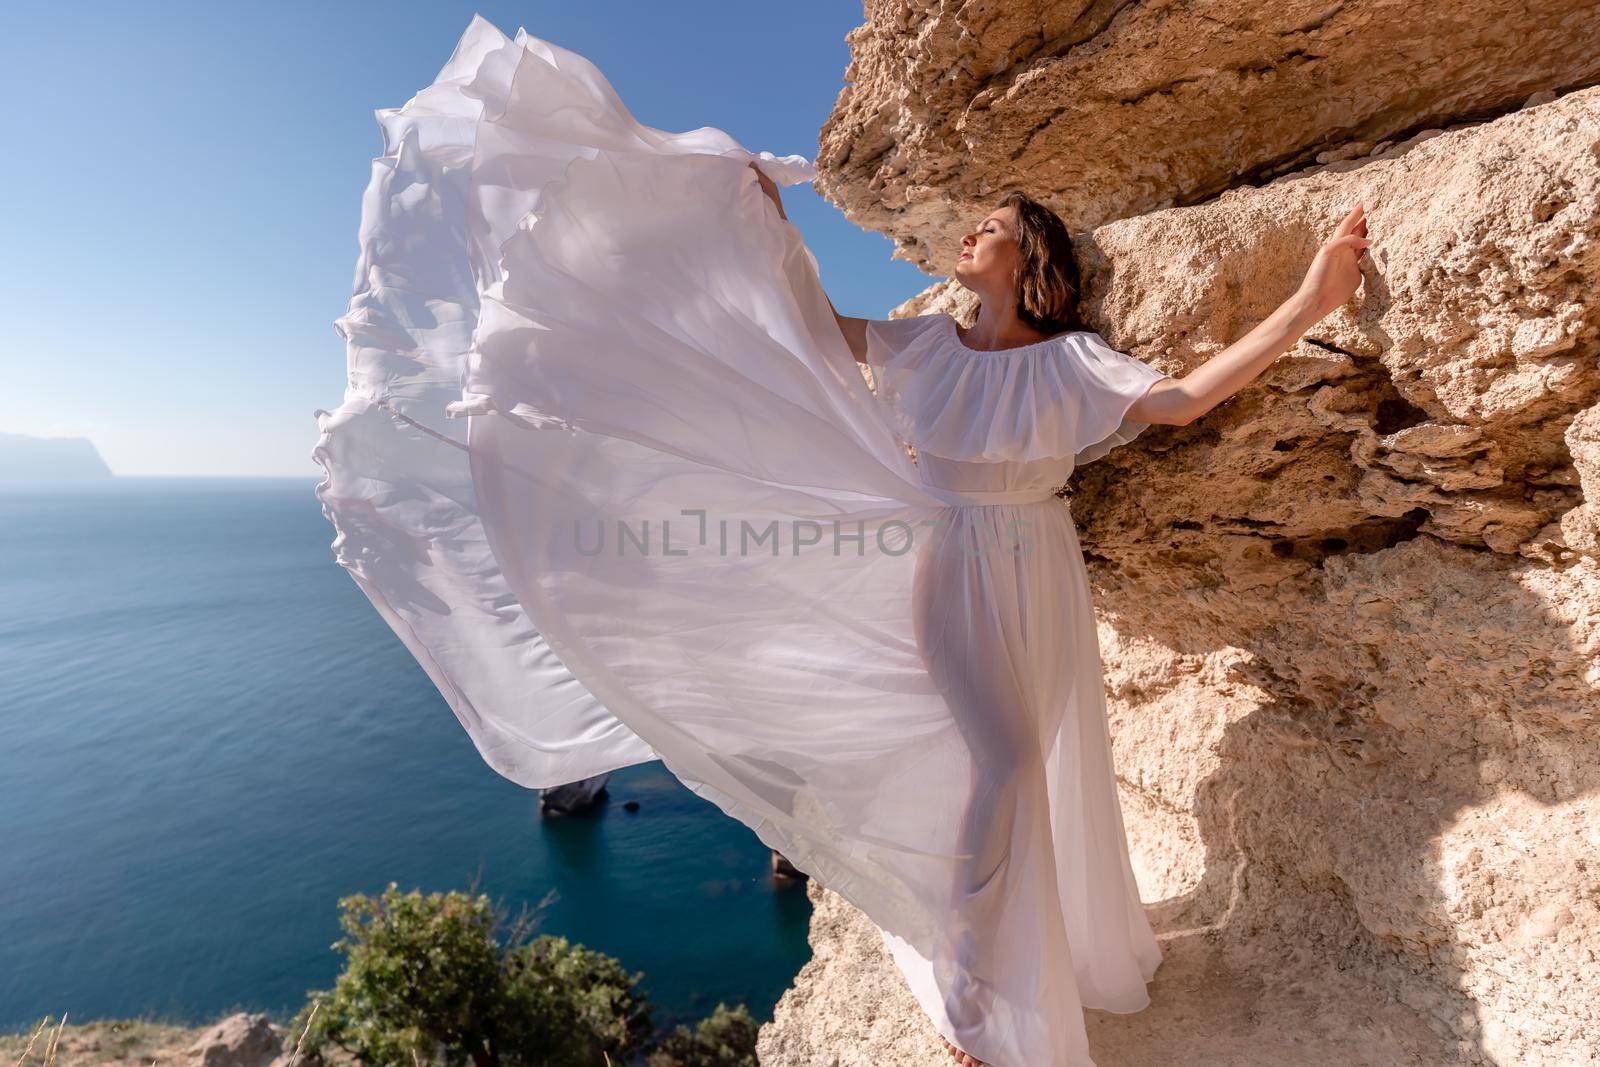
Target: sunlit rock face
[[1117, 108], [1351, 616]]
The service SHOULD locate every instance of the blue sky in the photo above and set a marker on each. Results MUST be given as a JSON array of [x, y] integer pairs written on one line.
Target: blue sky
[[183, 185]]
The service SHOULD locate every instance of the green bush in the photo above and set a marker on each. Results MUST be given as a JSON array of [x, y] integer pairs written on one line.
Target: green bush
[[427, 980], [723, 1039]]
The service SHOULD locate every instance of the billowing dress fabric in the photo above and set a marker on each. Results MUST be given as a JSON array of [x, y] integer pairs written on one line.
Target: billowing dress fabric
[[607, 466]]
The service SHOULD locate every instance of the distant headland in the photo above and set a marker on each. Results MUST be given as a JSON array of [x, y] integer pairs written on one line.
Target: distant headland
[[28, 461]]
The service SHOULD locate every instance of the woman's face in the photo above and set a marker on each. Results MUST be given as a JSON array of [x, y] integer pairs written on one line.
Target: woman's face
[[989, 253]]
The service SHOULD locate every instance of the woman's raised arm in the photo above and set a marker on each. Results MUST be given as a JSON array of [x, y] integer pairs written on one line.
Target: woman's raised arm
[[1331, 280], [854, 329]]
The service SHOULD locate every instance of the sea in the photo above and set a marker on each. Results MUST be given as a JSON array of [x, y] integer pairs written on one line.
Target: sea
[[208, 736]]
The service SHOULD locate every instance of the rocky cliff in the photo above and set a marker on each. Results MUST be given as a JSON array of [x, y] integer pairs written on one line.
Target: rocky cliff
[[1350, 617]]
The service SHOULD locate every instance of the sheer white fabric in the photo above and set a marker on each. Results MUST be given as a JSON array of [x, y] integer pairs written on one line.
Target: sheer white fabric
[[680, 526], [1067, 396]]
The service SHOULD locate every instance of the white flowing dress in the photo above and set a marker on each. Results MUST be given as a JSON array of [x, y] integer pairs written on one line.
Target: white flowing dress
[[607, 466]]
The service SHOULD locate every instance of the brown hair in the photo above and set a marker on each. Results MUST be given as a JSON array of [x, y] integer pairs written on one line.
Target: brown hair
[[1047, 279]]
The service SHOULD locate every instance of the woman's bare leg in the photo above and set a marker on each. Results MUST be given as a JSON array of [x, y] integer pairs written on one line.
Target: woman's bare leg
[[972, 656]]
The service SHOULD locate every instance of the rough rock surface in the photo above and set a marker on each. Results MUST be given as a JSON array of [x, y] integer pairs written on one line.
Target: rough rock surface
[[240, 1040], [1350, 618], [849, 1007], [1112, 108]]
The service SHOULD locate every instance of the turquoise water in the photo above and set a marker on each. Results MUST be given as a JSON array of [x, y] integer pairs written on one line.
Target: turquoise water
[[208, 735]]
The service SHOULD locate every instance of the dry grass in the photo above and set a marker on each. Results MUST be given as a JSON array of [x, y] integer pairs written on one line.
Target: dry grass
[[140, 1042], [295, 1058], [103, 1041], [55, 1041]]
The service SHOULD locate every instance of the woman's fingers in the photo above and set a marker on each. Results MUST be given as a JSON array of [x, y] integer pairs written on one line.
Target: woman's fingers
[[1354, 217], [1354, 241]]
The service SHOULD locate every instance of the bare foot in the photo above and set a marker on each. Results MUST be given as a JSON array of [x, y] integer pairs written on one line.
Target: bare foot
[[961, 1058]]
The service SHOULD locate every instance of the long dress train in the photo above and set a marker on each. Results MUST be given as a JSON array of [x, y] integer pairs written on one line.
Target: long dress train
[[608, 468]]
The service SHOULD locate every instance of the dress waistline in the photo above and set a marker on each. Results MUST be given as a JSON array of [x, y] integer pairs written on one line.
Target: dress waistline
[[985, 498]]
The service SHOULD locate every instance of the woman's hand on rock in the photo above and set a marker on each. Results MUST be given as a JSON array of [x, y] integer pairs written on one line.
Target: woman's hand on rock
[[1335, 272]]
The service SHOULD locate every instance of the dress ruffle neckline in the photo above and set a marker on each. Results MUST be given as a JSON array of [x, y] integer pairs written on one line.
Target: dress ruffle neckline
[[1064, 396]]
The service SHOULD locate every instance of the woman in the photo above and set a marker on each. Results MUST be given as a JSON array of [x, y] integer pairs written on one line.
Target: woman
[[1019, 262], [607, 465]]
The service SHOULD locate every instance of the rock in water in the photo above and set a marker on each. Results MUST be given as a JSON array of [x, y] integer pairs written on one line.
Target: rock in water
[[782, 869], [574, 798]]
